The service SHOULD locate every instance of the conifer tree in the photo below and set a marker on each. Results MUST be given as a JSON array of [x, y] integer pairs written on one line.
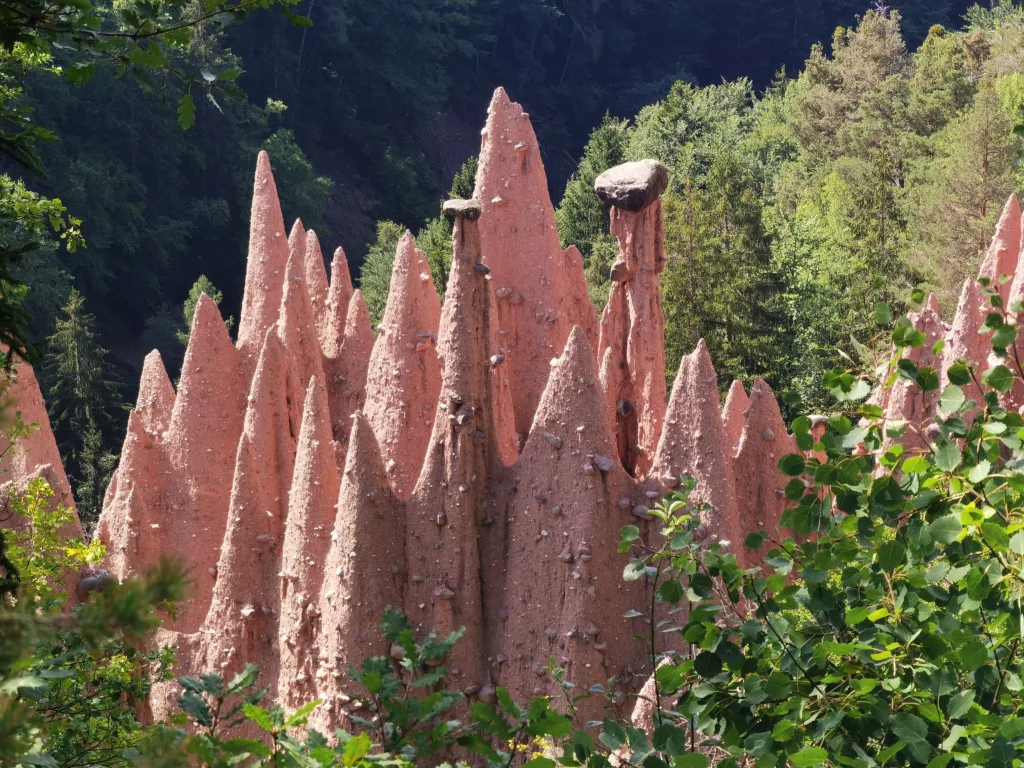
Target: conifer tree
[[83, 396], [202, 285], [96, 466]]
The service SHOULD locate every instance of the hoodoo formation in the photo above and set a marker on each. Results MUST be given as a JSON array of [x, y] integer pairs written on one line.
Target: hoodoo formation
[[471, 463]]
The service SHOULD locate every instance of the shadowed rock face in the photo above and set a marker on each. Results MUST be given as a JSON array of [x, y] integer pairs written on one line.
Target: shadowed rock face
[[312, 508], [633, 336], [520, 442]]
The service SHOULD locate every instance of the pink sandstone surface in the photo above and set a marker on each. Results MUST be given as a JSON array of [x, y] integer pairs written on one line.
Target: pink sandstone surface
[[364, 571], [539, 290], [759, 484], [521, 553], [907, 402], [242, 624], [296, 326], [448, 505], [312, 509], [571, 500], [633, 329], [346, 372], [733, 414], [339, 294], [268, 258], [404, 376], [694, 443], [1004, 250], [316, 283], [33, 456], [205, 426]]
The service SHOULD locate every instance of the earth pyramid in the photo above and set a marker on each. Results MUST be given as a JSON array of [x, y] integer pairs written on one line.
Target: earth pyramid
[[470, 462]]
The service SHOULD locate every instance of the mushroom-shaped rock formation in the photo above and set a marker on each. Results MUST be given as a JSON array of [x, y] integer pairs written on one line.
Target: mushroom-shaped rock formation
[[316, 282], [633, 325], [571, 500], [448, 505], [205, 426], [346, 372], [404, 376], [312, 505], [242, 624], [694, 443], [759, 484], [339, 294], [1004, 250], [364, 571], [734, 414], [296, 326], [537, 293], [268, 259], [632, 186]]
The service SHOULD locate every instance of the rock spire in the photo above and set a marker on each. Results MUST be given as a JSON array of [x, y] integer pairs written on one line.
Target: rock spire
[[404, 376]]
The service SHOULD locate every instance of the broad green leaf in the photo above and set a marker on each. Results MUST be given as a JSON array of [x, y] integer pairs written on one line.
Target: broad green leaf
[[951, 399], [960, 704], [973, 655], [186, 111], [959, 374], [258, 715], [947, 455], [891, 555], [910, 728], [635, 570], [791, 465], [808, 758], [945, 530], [883, 315], [999, 378]]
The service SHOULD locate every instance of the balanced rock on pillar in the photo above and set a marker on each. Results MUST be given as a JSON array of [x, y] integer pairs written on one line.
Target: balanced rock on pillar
[[633, 324], [447, 508]]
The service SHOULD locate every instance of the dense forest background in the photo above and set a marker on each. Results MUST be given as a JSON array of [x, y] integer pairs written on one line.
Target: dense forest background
[[825, 155]]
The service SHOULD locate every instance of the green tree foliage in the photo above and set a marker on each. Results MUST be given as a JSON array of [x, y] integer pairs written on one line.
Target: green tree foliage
[[375, 275], [83, 398], [201, 286], [581, 217], [883, 626], [434, 239]]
